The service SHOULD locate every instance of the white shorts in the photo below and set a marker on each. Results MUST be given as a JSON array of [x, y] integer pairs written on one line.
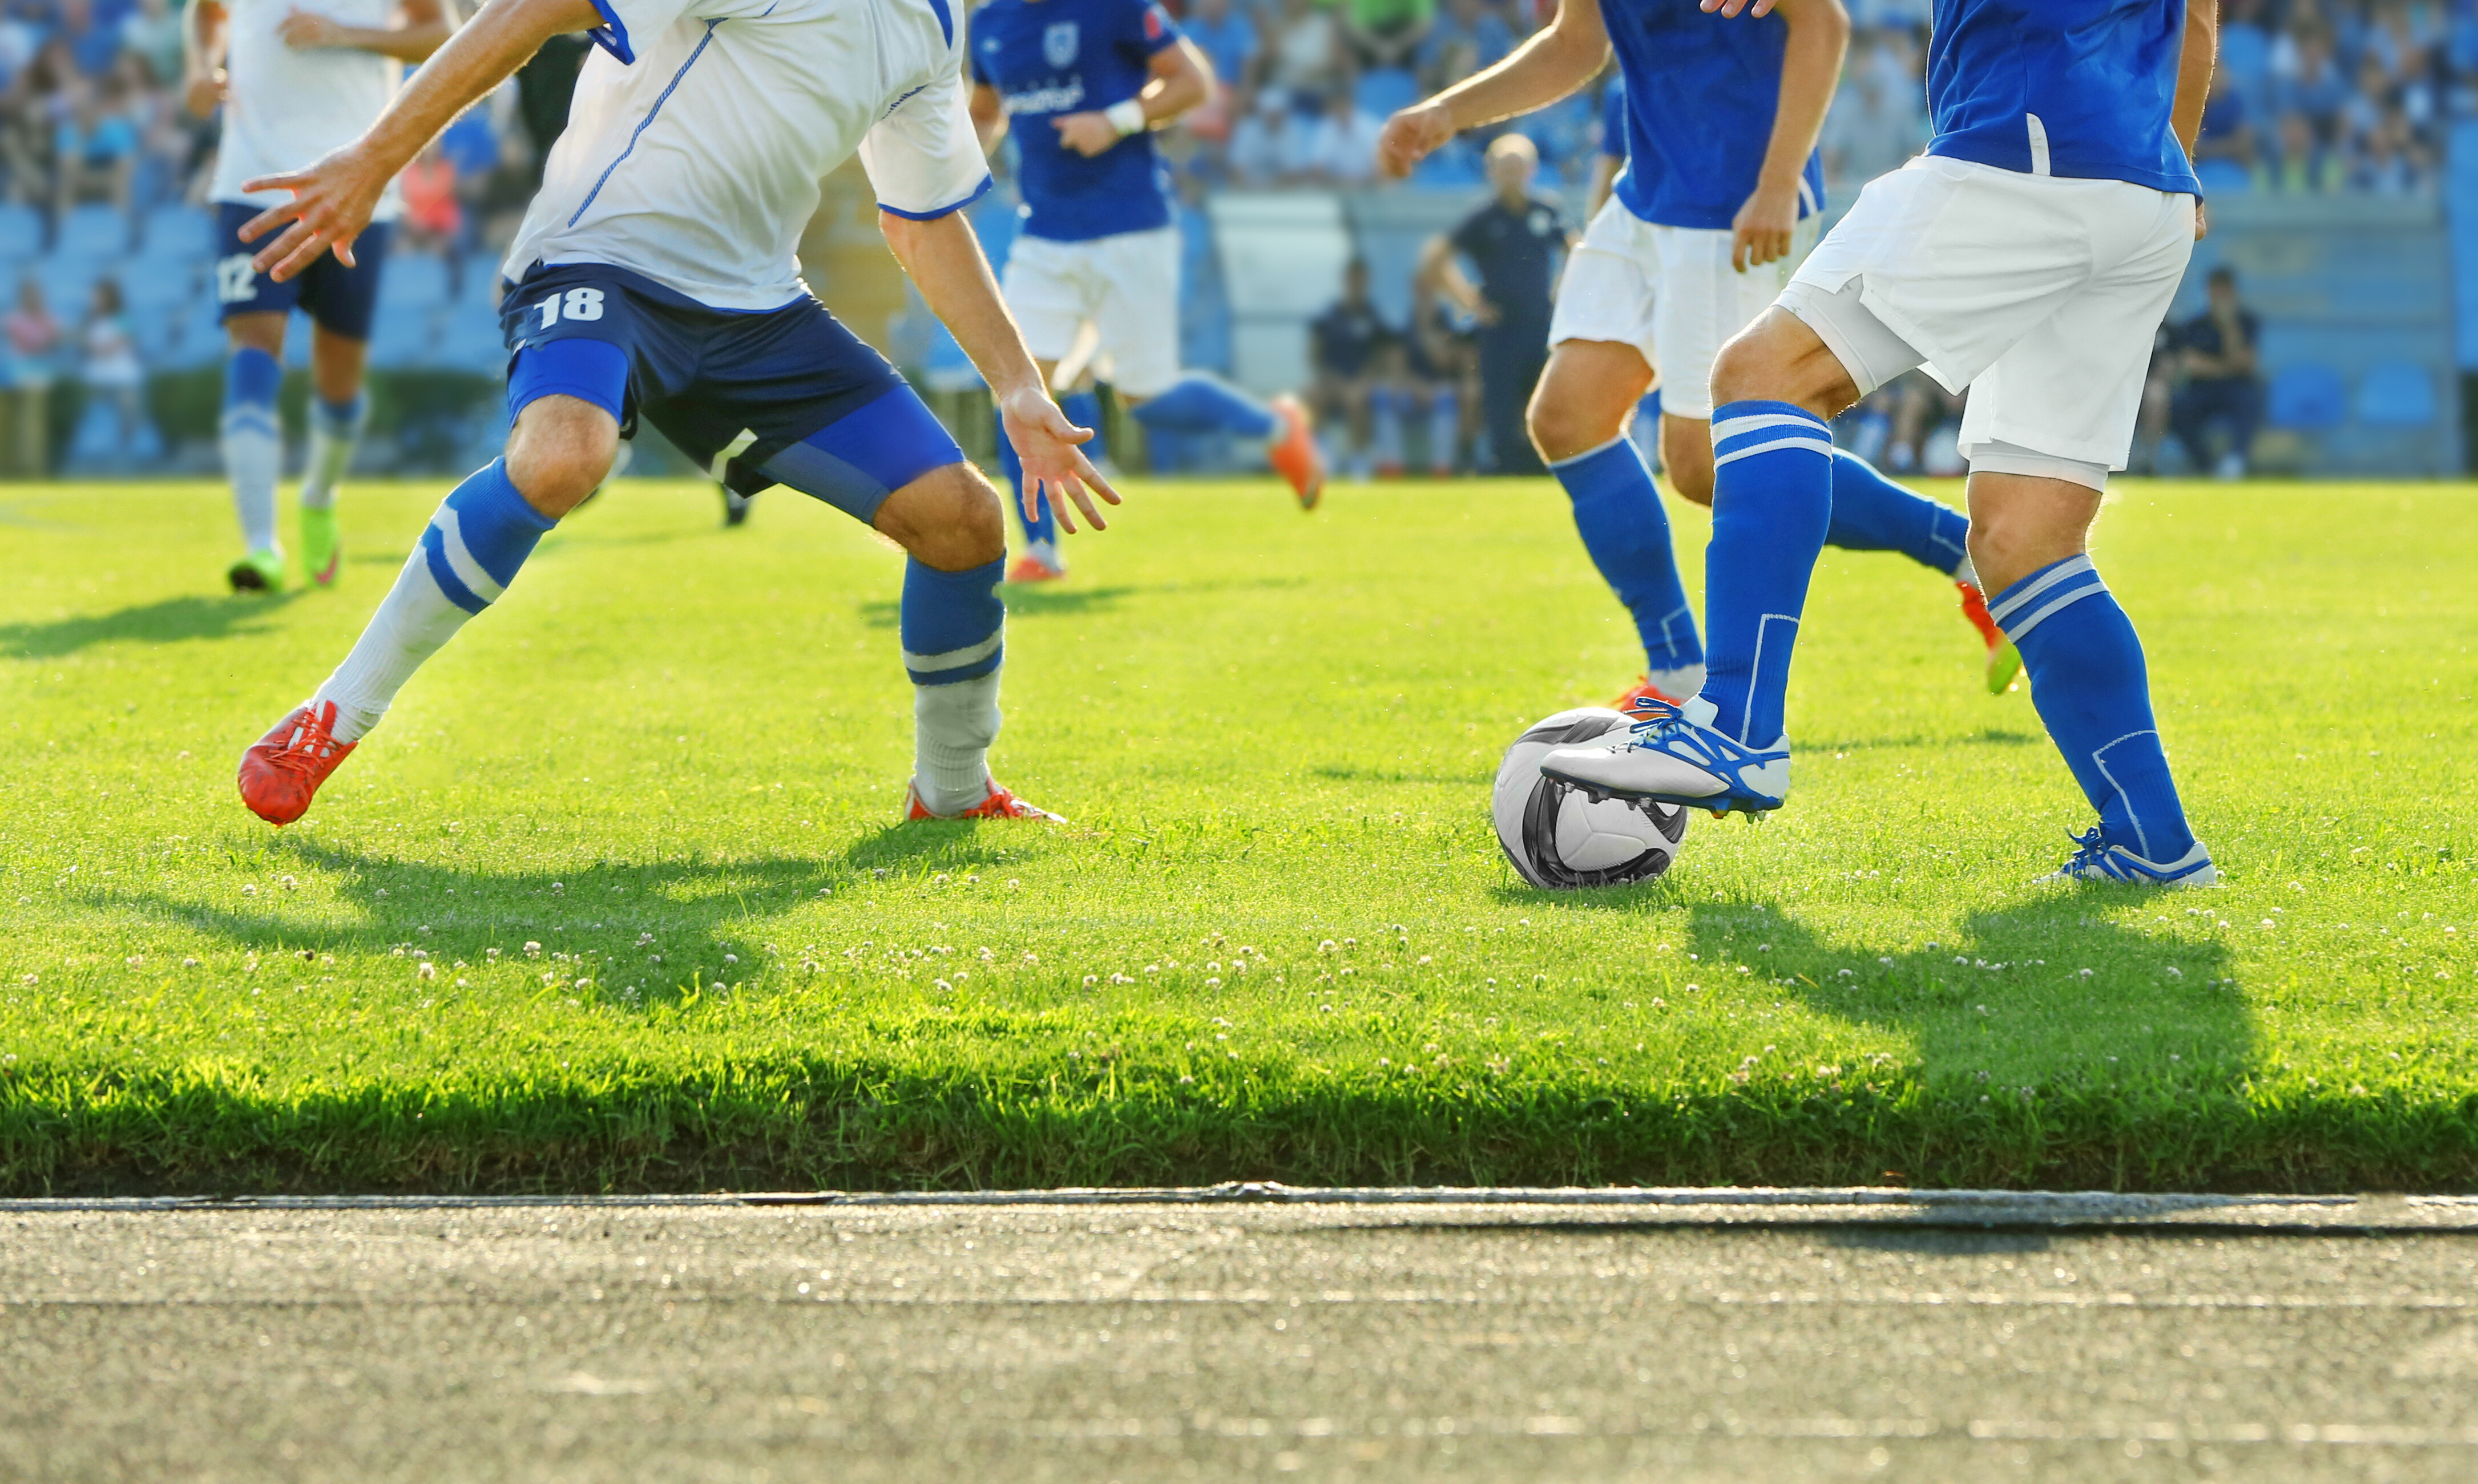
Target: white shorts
[[1668, 291], [1125, 287], [2039, 293]]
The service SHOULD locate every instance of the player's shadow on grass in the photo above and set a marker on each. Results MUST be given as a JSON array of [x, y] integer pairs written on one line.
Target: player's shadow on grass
[[2025, 1001], [1994, 736], [163, 622]]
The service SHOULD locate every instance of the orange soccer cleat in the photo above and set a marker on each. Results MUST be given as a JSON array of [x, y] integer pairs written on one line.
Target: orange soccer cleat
[[2004, 660], [1294, 452], [998, 805], [1643, 690], [1034, 566], [281, 771]]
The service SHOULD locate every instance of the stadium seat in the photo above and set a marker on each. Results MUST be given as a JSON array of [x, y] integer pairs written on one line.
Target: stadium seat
[[469, 341], [2224, 178], [94, 231], [21, 233], [178, 232], [413, 281], [402, 337], [67, 282], [1381, 90], [2397, 395], [2308, 396]]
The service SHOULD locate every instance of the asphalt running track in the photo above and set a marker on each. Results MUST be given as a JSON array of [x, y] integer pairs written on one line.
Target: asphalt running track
[[1243, 1332]]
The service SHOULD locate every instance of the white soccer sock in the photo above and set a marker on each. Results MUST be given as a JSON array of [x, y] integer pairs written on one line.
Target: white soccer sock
[[953, 727], [253, 456], [409, 627], [1966, 572], [334, 433]]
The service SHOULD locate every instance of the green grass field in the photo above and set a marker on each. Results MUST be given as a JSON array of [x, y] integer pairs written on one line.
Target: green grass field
[[1279, 942]]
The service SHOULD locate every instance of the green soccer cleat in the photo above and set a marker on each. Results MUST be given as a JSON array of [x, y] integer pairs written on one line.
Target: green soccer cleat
[[2004, 660], [261, 571], [321, 552]]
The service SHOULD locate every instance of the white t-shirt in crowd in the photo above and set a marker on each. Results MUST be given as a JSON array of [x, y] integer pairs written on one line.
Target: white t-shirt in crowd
[[284, 108], [702, 128]]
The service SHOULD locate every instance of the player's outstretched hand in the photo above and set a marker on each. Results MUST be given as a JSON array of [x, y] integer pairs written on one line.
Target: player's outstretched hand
[[332, 202], [1759, 9], [1760, 233], [1410, 136], [204, 93], [1047, 444]]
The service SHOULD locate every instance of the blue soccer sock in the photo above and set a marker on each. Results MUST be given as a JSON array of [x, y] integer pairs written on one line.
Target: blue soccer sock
[[1618, 511], [252, 442], [1645, 430], [335, 430], [1772, 503], [1199, 403], [1871, 512], [2093, 691], [481, 535], [1042, 530], [1084, 410], [1445, 429], [953, 628]]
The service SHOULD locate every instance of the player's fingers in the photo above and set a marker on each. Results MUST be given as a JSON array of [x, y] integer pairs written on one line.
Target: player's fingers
[[1084, 503], [1092, 477], [275, 257], [343, 248], [269, 220]]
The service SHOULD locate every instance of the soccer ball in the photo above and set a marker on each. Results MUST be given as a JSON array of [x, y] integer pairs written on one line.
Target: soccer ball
[[1560, 840]]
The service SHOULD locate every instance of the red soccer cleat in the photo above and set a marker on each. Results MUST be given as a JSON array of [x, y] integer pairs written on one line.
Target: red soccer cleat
[[999, 805], [1644, 690], [281, 771], [1294, 452], [2004, 660], [1032, 567]]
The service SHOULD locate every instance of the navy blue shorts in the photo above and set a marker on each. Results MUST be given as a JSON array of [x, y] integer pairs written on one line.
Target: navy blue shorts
[[338, 299], [733, 390]]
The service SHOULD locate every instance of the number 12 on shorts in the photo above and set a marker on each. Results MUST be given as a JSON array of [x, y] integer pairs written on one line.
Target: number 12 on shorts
[[583, 303]]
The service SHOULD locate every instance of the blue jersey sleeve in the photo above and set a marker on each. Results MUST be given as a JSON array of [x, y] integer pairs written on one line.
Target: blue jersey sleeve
[[1149, 30]]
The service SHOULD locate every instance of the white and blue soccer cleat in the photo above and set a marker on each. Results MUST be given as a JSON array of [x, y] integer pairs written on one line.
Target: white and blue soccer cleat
[[1674, 756], [2099, 860]]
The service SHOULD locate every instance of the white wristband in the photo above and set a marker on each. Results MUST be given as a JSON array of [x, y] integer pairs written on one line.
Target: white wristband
[[1127, 117]]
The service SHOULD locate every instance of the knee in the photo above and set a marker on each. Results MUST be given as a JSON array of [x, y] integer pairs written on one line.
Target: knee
[[256, 332], [950, 519], [559, 451], [1743, 371], [1560, 429]]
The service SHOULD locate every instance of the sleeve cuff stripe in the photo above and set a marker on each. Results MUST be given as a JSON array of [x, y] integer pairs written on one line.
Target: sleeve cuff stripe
[[977, 192], [612, 36]]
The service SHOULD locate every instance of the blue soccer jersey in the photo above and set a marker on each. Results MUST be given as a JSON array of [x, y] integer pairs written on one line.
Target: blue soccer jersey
[[1700, 94], [2072, 88], [1049, 57]]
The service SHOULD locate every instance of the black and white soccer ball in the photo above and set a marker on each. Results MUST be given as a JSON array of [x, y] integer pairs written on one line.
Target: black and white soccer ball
[[1558, 838]]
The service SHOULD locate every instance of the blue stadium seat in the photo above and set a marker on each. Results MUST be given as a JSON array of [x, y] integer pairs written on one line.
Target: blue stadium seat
[[21, 231], [1381, 90], [2308, 397], [94, 231], [413, 281], [2397, 395], [67, 282], [177, 232], [402, 337], [2224, 178], [469, 341]]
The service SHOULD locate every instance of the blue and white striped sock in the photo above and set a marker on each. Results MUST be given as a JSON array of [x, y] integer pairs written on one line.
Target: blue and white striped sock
[[1871, 512], [335, 432], [252, 442], [1772, 503], [2093, 691], [482, 532], [953, 627]]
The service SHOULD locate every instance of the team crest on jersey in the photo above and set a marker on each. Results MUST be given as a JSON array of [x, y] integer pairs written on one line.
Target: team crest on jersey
[[1059, 43]]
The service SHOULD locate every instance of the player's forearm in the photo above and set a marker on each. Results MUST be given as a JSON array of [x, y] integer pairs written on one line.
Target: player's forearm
[[478, 57], [1554, 62], [1604, 179], [202, 39], [1178, 89], [1811, 56], [2194, 71], [946, 264], [405, 43]]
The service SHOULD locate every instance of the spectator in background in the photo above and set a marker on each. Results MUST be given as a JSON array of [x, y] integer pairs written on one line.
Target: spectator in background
[[1345, 346], [1304, 54], [2228, 126], [2302, 167], [94, 150], [1269, 145], [152, 33], [2308, 79], [2223, 381], [1387, 33], [1227, 38], [92, 47], [34, 357], [1516, 241], [1441, 375], [434, 217], [1341, 148], [1467, 36], [110, 370], [1878, 120]]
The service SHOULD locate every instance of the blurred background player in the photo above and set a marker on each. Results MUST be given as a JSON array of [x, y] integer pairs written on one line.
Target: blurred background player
[[1089, 81], [656, 276], [294, 80], [1716, 206], [2030, 255], [1515, 239]]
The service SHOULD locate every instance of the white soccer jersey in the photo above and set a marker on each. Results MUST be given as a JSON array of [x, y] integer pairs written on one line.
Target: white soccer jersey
[[284, 108], [700, 130]]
